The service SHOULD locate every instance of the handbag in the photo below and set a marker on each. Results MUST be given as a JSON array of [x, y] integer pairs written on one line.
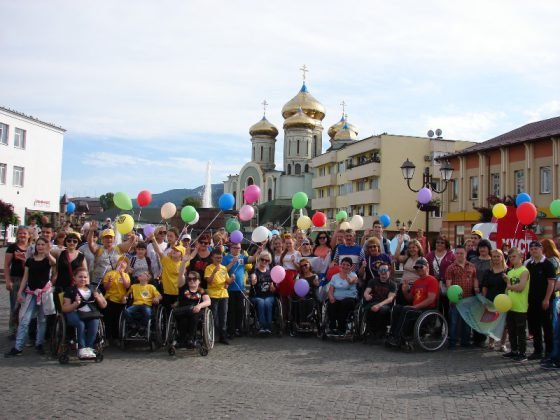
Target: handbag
[[93, 313], [47, 302]]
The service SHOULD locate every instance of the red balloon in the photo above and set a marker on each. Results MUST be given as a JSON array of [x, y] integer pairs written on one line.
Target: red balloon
[[526, 213], [319, 219], [144, 198]]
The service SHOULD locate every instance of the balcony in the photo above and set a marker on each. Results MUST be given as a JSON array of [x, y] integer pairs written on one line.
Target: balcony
[[363, 170], [358, 198], [323, 203], [323, 181]]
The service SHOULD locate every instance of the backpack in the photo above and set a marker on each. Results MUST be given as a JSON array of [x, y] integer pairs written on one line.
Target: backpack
[[148, 261]]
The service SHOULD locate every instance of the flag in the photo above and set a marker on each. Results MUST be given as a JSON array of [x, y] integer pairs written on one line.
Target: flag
[[481, 315]]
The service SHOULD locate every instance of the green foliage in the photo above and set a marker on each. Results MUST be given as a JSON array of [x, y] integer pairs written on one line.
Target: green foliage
[[196, 202], [106, 201]]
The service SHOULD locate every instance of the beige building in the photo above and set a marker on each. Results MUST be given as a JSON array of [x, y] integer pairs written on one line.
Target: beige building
[[364, 176]]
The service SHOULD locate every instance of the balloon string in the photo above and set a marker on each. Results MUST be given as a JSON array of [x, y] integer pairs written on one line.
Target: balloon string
[[516, 228], [413, 220], [206, 228]]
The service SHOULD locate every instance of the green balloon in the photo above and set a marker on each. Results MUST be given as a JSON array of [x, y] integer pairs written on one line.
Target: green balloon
[[188, 214], [455, 293], [122, 201], [299, 200], [232, 225], [555, 208], [341, 215]]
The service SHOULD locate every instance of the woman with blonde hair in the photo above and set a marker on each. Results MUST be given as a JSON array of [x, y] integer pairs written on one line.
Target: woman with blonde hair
[[493, 284]]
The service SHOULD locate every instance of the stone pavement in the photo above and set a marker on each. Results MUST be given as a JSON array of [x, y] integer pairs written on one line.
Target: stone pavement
[[276, 378]]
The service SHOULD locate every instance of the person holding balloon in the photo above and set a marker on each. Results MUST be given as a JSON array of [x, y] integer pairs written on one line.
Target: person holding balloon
[[305, 289], [218, 280], [201, 257], [262, 291], [492, 285]]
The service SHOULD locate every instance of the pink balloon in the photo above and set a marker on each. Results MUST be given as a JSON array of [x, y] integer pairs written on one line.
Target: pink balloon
[[246, 213], [424, 195], [236, 237], [252, 194], [301, 287], [277, 274]]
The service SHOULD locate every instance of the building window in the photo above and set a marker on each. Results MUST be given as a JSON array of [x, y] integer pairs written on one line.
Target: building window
[[322, 171], [495, 179], [297, 169], [3, 168], [289, 169], [306, 168], [330, 213], [340, 167], [454, 190], [4, 134], [262, 153], [374, 210], [297, 149], [18, 176], [546, 180], [374, 183], [250, 181], [519, 179], [361, 185], [342, 189], [270, 194], [474, 187]]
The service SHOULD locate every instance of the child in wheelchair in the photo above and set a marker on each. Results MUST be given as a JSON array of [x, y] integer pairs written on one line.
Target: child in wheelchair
[[144, 295], [188, 310]]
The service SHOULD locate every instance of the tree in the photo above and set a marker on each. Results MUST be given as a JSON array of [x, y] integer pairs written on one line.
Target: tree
[[196, 202], [7, 216], [106, 201]]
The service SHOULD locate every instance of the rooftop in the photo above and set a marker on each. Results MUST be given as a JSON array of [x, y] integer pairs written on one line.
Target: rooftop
[[31, 117]]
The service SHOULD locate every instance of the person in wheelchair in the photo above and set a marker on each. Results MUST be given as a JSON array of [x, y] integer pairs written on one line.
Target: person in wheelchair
[[379, 296], [188, 310], [262, 292], [144, 295], [342, 295], [81, 306], [302, 306], [422, 296]]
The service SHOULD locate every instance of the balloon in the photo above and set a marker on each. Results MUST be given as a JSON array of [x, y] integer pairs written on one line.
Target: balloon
[[385, 220], [499, 211], [122, 201], [149, 230], [274, 232], [424, 195], [301, 287], [144, 198], [70, 207], [236, 237], [455, 293], [319, 219], [522, 198], [341, 215], [196, 219], [125, 224], [168, 210], [526, 213], [226, 202], [299, 200], [246, 212], [232, 225], [502, 303], [188, 213], [555, 208], [304, 223], [252, 194], [277, 273], [345, 226], [260, 234], [357, 222]]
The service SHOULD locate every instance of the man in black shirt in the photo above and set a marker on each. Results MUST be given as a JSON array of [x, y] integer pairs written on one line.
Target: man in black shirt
[[543, 277], [379, 296]]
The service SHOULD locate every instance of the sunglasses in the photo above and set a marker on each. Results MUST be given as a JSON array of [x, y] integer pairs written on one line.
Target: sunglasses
[[264, 259], [162, 233], [203, 243], [305, 265], [383, 270], [322, 237], [72, 241], [440, 242], [373, 246], [192, 278]]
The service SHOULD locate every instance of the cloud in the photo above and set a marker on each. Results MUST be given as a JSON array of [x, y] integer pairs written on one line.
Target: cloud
[[547, 110], [467, 125]]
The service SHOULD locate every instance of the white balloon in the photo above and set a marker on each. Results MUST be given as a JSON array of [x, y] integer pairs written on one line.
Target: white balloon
[[357, 222], [168, 210], [345, 225], [195, 220], [260, 234]]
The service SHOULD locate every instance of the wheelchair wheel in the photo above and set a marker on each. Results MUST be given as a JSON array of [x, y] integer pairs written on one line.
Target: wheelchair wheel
[[430, 331], [57, 342], [161, 319], [278, 317], [171, 334], [100, 340], [123, 331], [357, 322], [208, 331], [322, 332], [245, 322], [63, 358]]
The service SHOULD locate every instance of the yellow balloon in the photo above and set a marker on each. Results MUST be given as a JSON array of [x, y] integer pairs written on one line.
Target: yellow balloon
[[499, 210], [125, 224], [304, 222], [502, 303]]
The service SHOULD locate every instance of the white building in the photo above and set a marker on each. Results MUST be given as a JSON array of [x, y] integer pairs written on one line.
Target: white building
[[30, 163]]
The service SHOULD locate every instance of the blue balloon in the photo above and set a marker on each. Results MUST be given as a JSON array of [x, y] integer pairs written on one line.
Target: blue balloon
[[226, 202], [522, 198], [274, 232], [70, 207], [385, 220]]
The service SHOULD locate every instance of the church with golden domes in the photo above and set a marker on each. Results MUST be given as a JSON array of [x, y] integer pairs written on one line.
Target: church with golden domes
[[303, 141]]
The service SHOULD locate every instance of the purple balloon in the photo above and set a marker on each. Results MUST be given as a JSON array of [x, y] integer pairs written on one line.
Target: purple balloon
[[149, 230], [424, 195], [301, 287], [236, 237]]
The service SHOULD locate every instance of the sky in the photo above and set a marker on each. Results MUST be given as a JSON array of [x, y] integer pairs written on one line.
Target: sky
[[150, 91]]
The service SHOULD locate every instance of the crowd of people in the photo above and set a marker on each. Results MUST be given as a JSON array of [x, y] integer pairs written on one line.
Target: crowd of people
[[99, 276]]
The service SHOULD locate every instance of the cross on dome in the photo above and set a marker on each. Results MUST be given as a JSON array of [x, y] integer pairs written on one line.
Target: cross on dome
[[264, 104], [304, 70]]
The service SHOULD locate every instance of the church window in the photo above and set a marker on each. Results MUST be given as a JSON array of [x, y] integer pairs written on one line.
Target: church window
[[270, 194], [297, 169], [253, 153], [262, 151], [297, 151], [270, 155], [306, 168], [250, 181], [289, 169]]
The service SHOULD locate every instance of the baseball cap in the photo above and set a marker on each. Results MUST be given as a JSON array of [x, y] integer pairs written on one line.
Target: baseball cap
[[186, 236], [123, 258], [421, 262], [108, 232], [536, 244], [477, 232], [179, 248], [305, 242]]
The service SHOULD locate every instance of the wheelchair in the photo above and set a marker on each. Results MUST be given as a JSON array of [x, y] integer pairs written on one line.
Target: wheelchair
[[305, 316], [353, 322], [251, 324], [204, 340], [150, 333], [64, 340], [429, 333]]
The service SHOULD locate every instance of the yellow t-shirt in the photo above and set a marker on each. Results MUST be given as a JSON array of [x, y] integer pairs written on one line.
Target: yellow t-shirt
[[169, 275], [144, 294], [218, 288], [116, 291]]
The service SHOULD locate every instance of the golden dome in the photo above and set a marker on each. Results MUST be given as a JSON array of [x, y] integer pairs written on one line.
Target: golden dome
[[263, 127], [304, 100], [300, 119], [346, 134], [335, 128]]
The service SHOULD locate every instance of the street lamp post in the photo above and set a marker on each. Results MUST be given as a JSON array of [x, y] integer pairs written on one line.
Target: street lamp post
[[446, 171]]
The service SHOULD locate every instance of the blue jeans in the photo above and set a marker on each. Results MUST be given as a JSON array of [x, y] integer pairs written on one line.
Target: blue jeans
[[455, 320], [138, 313], [555, 354], [33, 310], [87, 330], [219, 310], [264, 310]]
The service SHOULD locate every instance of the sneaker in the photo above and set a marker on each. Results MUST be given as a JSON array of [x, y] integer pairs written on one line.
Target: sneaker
[[262, 331], [224, 340], [13, 352], [82, 353], [268, 331], [39, 349], [503, 348], [535, 356], [510, 355], [546, 361], [521, 357], [551, 365], [237, 333]]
